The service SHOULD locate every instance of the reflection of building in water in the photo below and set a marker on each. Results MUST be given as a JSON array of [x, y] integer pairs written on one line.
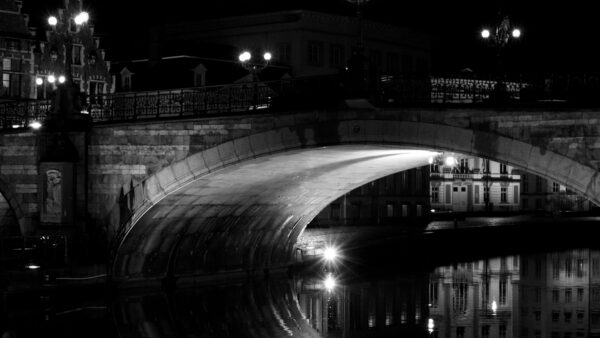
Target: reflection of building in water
[[368, 309], [474, 184], [475, 299], [560, 294]]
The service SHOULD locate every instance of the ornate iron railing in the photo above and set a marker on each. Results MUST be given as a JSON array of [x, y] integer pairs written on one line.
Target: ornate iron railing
[[309, 92]]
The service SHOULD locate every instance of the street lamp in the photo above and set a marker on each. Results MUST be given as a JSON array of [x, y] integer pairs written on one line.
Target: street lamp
[[254, 68], [499, 38], [64, 25]]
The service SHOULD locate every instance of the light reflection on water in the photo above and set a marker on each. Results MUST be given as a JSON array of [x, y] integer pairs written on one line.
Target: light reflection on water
[[553, 294]]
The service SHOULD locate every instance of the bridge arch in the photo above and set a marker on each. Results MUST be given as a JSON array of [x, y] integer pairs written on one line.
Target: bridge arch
[[10, 210], [185, 222]]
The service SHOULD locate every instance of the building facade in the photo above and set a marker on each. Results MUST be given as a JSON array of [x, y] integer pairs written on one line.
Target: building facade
[[312, 43], [471, 184], [28, 61], [89, 67], [560, 294], [17, 42], [398, 199], [475, 299], [540, 194]]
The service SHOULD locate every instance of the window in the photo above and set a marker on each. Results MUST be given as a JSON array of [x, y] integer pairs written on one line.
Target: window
[[404, 210], [486, 166], [486, 194], [502, 330], [460, 296], [502, 291], [538, 184], [435, 194], [284, 53], [568, 295], [336, 56], [485, 331], [464, 166], [315, 53], [6, 64], [555, 296], [503, 169], [476, 194], [13, 44], [580, 268], [580, 316], [579, 295], [77, 54], [525, 183], [555, 187], [555, 268], [503, 197], [433, 294], [6, 81], [516, 194], [389, 209], [555, 316], [568, 316]]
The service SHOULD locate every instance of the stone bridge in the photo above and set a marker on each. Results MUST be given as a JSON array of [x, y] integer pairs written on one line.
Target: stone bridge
[[188, 197]]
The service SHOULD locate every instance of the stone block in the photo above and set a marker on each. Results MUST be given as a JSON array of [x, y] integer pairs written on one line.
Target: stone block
[[290, 138], [212, 158], [242, 148], [274, 140], [154, 190], [181, 172], [259, 144], [227, 153]]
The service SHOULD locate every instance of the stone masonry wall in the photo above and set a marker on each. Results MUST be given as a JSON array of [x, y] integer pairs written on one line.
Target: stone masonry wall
[[19, 177]]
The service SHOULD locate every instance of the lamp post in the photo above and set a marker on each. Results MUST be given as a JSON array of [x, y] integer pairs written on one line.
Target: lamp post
[[499, 38], [66, 104], [254, 68]]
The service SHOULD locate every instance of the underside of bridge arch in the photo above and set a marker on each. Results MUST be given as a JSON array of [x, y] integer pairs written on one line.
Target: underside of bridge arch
[[249, 215], [243, 204]]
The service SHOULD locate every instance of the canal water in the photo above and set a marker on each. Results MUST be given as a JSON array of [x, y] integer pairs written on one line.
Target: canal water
[[502, 282]]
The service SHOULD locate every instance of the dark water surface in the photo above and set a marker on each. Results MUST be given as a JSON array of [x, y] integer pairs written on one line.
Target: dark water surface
[[474, 283]]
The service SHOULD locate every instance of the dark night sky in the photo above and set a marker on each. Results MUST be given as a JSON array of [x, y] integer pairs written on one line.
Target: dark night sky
[[556, 37]]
